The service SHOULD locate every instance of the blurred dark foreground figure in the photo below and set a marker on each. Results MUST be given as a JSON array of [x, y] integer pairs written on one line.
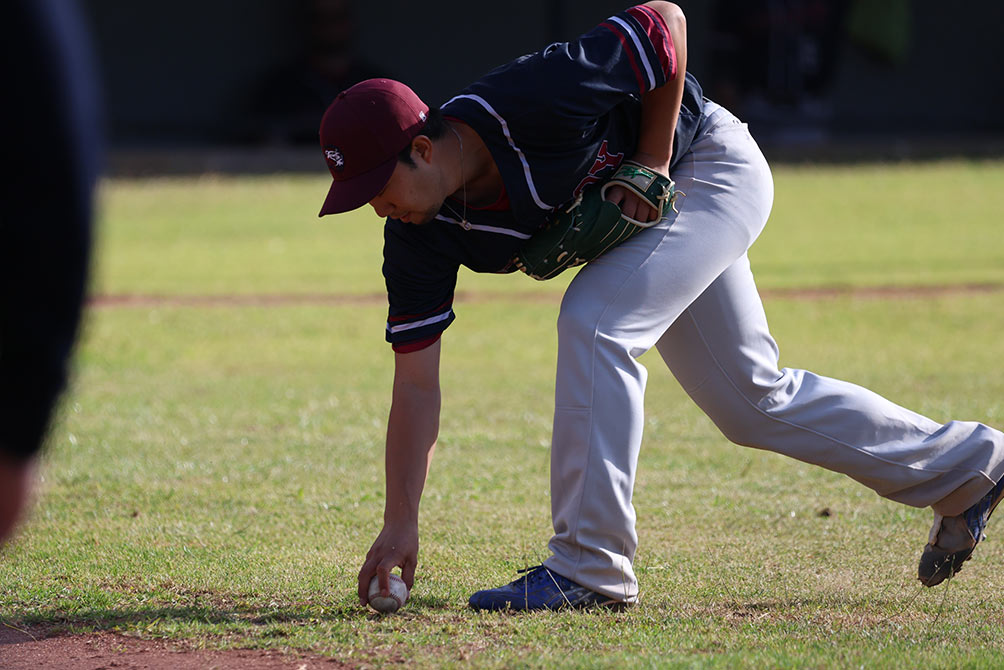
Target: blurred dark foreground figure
[[51, 155]]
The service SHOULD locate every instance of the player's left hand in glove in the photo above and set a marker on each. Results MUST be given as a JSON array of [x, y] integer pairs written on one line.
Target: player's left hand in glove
[[592, 225]]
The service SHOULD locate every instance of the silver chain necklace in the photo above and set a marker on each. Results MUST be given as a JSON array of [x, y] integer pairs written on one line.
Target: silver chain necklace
[[463, 179]]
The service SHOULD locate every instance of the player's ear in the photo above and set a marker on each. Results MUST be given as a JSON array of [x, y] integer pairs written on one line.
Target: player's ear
[[421, 147]]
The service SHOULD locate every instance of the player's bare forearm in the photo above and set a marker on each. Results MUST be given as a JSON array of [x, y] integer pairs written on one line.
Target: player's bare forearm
[[660, 110], [661, 106], [412, 430]]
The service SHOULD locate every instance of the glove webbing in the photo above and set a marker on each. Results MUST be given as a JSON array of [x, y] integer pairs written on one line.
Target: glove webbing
[[568, 259]]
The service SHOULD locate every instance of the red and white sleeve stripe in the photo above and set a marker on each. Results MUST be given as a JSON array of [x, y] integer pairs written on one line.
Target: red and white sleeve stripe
[[648, 25], [658, 35], [411, 332]]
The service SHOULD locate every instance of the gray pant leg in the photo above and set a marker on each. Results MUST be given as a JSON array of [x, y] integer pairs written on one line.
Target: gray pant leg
[[685, 285], [723, 355], [615, 310]]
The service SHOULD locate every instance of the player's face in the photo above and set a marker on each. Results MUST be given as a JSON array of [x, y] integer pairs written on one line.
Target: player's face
[[414, 194]]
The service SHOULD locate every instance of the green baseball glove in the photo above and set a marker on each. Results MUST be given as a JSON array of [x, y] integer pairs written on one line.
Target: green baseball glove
[[591, 225]]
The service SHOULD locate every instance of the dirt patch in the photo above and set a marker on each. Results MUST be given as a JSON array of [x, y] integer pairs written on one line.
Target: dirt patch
[[376, 299], [296, 299], [234, 300], [882, 292], [36, 650]]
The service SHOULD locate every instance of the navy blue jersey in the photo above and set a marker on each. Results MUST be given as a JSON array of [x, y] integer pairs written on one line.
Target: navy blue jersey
[[554, 121]]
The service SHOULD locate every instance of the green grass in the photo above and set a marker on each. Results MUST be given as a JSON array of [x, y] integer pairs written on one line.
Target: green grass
[[884, 225], [215, 475], [847, 226]]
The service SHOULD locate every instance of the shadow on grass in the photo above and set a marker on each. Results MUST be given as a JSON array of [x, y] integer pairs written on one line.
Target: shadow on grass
[[48, 622], [830, 610], [277, 621]]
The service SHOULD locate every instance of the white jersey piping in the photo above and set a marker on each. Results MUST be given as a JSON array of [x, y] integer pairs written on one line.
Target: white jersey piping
[[486, 229], [418, 324], [505, 131], [641, 51]]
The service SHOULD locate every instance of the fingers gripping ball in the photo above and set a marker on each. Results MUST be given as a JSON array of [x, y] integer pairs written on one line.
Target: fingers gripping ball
[[392, 603]]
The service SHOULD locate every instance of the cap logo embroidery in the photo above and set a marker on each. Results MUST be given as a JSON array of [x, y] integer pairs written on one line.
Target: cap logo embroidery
[[421, 115], [334, 156]]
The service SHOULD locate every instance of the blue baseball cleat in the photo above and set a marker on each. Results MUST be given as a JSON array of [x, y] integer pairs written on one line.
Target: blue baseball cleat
[[540, 589], [953, 539]]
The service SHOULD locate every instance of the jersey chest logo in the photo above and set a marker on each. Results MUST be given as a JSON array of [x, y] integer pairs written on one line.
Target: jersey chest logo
[[605, 162]]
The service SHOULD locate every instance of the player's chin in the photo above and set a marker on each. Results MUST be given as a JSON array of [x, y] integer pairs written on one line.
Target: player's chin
[[420, 219]]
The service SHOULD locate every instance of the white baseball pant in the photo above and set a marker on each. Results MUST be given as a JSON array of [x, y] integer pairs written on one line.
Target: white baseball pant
[[685, 286]]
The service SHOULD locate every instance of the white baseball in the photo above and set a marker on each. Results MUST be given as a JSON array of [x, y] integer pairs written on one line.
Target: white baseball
[[398, 595]]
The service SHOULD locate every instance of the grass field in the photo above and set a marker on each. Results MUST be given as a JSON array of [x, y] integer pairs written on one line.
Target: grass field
[[215, 474]]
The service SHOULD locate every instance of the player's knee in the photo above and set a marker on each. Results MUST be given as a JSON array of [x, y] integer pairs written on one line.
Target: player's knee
[[578, 317], [738, 432], [738, 413]]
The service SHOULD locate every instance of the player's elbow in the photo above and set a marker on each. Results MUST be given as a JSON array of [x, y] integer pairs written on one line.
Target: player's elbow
[[676, 23], [670, 12]]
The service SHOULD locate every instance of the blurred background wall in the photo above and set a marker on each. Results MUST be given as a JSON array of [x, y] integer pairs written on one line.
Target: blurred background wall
[[810, 76]]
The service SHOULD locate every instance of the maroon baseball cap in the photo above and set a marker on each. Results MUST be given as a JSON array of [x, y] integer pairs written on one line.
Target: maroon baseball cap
[[363, 131]]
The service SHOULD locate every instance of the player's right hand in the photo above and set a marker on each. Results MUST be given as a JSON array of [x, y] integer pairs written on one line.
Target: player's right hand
[[630, 204], [396, 546]]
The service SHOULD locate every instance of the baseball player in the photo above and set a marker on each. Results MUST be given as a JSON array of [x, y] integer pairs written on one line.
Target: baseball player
[[476, 182]]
